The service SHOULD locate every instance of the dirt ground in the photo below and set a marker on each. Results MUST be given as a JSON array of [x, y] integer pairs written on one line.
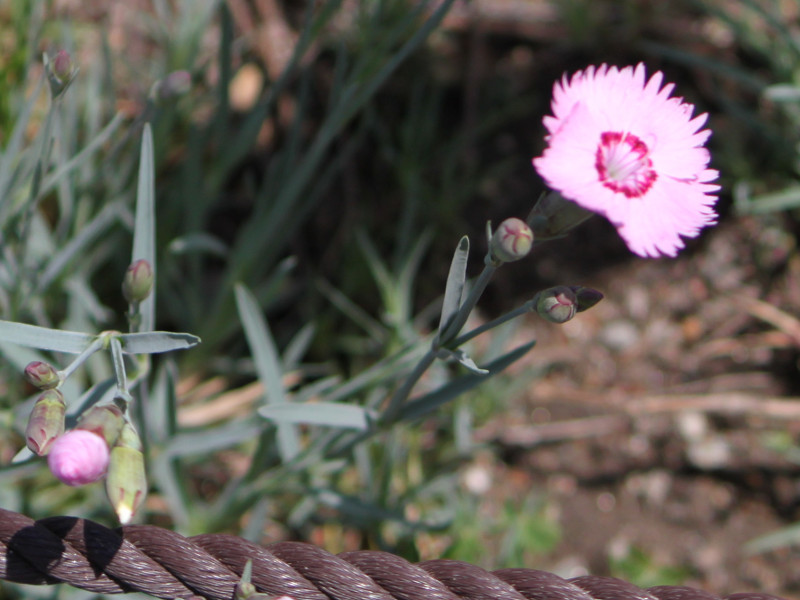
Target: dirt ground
[[666, 417]]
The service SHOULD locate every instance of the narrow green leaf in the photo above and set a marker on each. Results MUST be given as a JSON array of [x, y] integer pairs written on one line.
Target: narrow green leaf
[[155, 342], [71, 342], [167, 475], [454, 289], [199, 242], [265, 357], [298, 346], [208, 440], [328, 414], [119, 365], [144, 231], [81, 157], [782, 538], [785, 199], [353, 311], [422, 405], [783, 92], [461, 357], [78, 245], [14, 145]]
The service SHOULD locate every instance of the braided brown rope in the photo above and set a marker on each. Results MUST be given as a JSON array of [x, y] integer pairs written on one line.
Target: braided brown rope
[[165, 564]]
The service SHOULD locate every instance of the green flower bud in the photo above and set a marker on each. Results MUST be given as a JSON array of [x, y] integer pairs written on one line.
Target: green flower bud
[[60, 72], [42, 375], [553, 216], [587, 297], [126, 482], [46, 422], [512, 241], [138, 281], [557, 305], [105, 421]]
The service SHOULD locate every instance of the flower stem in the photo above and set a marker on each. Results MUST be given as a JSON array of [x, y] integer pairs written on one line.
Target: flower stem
[[404, 391], [97, 344], [513, 314], [465, 309]]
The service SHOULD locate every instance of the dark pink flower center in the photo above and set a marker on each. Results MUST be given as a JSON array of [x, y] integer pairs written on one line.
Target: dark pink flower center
[[623, 164]]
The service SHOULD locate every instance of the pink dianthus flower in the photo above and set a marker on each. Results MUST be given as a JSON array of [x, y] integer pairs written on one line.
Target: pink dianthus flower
[[79, 457], [620, 146]]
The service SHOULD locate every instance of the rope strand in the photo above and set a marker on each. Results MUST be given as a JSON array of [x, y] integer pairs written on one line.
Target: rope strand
[[164, 564]]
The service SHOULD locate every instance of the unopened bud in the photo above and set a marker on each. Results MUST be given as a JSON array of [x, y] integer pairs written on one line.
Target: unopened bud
[[42, 375], [553, 216], [587, 297], [60, 72], [511, 241], [557, 305], [46, 422], [138, 281], [105, 421], [78, 457], [62, 65], [126, 483]]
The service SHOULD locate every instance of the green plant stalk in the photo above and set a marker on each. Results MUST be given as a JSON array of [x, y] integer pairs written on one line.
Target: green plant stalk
[[404, 391], [28, 271], [466, 307], [119, 369], [97, 344], [513, 314]]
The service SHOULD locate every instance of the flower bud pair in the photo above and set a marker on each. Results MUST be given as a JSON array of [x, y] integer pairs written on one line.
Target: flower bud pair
[[81, 455]]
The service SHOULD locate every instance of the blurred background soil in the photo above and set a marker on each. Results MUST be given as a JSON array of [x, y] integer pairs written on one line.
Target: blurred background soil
[[663, 419]]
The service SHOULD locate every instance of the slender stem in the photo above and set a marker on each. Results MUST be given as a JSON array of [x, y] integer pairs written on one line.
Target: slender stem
[[465, 309], [521, 310], [119, 365], [404, 391], [97, 344]]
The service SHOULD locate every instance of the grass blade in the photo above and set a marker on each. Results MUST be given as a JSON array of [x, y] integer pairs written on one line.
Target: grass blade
[[267, 364]]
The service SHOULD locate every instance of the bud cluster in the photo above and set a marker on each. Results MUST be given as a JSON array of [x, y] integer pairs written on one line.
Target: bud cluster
[[102, 444]]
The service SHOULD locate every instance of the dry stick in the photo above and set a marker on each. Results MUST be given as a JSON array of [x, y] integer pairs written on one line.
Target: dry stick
[[165, 564]]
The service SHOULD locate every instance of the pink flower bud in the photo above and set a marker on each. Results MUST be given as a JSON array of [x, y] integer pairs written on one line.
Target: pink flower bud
[[78, 457], [42, 375], [61, 70], [105, 421], [62, 65], [557, 305], [138, 281], [512, 240], [46, 422]]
